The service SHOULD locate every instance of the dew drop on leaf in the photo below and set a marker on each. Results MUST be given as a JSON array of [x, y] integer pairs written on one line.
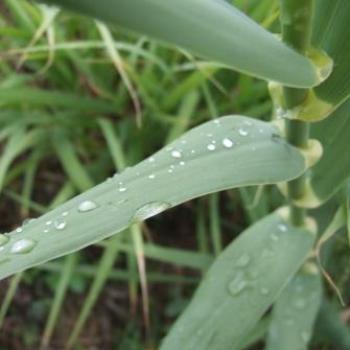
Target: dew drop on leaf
[[243, 132], [227, 143], [60, 224], [211, 147], [150, 209], [23, 246], [86, 206], [243, 261], [176, 154], [19, 229]]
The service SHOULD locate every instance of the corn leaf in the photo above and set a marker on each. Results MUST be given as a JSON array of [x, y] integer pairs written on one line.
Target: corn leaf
[[240, 286], [333, 133], [228, 152], [211, 28], [330, 33], [295, 312]]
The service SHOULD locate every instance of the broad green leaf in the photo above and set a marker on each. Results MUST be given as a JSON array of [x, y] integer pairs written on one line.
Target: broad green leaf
[[240, 286], [333, 133], [228, 152], [330, 33], [295, 311], [211, 28]]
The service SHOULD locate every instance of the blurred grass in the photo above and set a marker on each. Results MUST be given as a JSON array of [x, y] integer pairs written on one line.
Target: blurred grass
[[72, 111]]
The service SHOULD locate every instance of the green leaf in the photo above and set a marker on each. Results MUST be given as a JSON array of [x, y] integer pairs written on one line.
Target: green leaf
[[330, 28], [211, 28], [333, 133], [229, 152], [295, 312], [240, 286]]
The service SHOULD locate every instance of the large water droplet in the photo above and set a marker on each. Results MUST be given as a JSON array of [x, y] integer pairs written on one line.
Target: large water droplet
[[60, 224], [226, 142], [23, 246], [87, 206], [243, 132], [176, 154], [243, 261], [3, 239], [211, 147], [150, 209]]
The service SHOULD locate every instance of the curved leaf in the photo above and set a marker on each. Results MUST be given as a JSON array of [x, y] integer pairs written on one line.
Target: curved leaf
[[228, 152], [240, 286], [211, 28], [333, 133], [295, 312], [330, 33]]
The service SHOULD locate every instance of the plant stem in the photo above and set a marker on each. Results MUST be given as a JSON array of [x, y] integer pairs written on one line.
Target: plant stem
[[296, 16]]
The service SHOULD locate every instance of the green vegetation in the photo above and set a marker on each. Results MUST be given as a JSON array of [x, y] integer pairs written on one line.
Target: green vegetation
[[102, 128]]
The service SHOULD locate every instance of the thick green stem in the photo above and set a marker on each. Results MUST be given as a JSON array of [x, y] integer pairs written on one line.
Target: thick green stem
[[296, 16]]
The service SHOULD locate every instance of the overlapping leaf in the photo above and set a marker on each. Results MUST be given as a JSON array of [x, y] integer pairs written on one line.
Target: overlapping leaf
[[240, 286], [211, 28]]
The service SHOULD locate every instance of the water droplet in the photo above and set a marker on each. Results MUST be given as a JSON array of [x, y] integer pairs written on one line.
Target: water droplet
[[150, 209], [122, 189], [282, 227], [23, 246], [176, 154], [193, 151], [243, 261], [243, 132], [300, 304], [305, 336], [65, 213], [274, 237], [211, 147], [151, 159], [48, 223], [86, 206], [182, 163], [46, 230], [264, 291], [226, 142], [60, 224], [3, 239], [238, 285], [19, 229], [152, 176], [170, 170]]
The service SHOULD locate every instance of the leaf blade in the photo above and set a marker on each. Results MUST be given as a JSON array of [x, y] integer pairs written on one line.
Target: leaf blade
[[237, 42]]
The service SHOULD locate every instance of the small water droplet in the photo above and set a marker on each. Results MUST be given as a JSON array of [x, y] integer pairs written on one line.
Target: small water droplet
[[3, 239], [305, 336], [151, 159], [182, 163], [274, 237], [19, 229], [226, 142], [176, 154], [282, 227], [60, 224], [150, 209], [22, 246], [193, 151], [238, 285], [65, 213], [264, 291], [243, 261], [46, 230], [152, 176], [122, 189], [48, 223], [243, 132], [300, 304], [211, 147], [86, 206]]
